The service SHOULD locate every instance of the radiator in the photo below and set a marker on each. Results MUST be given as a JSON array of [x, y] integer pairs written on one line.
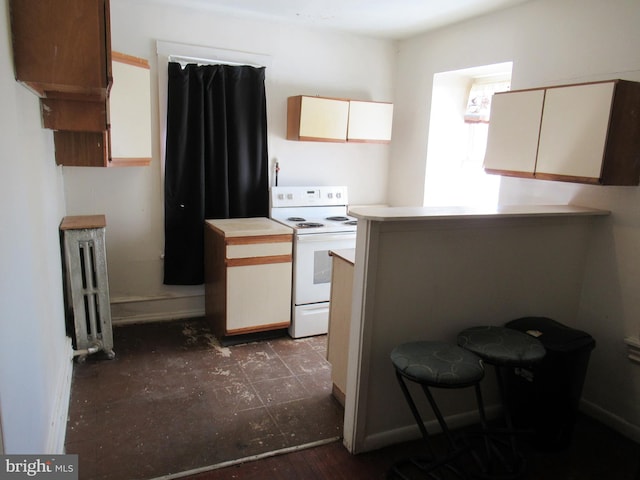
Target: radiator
[[86, 285]]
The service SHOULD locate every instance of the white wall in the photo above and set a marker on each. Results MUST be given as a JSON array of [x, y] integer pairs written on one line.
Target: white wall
[[549, 42], [304, 61], [35, 356]]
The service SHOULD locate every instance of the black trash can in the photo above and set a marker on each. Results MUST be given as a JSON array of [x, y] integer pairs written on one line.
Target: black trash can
[[545, 399]]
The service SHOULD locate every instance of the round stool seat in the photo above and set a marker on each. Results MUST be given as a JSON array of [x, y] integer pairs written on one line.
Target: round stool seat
[[437, 364], [502, 346]]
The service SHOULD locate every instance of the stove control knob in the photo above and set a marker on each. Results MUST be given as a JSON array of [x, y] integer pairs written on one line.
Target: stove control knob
[[338, 195], [289, 196], [281, 196], [329, 195]]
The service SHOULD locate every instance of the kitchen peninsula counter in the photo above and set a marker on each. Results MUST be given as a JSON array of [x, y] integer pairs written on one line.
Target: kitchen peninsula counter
[[426, 273], [386, 214]]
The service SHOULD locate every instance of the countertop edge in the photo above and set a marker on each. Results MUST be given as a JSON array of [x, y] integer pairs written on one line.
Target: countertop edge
[[346, 254], [248, 227], [386, 214]]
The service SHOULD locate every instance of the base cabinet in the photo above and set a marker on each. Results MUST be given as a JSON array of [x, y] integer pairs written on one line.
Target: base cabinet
[[248, 271], [585, 133], [340, 320]]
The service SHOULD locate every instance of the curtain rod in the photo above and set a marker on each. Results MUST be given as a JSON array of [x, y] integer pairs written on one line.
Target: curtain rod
[[207, 61]]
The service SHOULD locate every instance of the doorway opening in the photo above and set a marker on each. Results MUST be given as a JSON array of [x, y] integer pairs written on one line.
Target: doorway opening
[[458, 129]]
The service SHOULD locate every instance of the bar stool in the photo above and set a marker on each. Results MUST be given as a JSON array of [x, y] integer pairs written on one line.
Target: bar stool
[[439, 365], [503, 348]]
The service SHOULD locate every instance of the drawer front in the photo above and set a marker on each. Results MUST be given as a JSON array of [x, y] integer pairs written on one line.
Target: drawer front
[[258, 250]]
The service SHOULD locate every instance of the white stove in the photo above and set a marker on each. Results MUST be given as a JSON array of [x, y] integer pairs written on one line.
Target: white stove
[[318, 215], [312, 210]]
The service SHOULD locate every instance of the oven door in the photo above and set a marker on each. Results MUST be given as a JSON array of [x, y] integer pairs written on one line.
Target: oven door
[[312, 265]]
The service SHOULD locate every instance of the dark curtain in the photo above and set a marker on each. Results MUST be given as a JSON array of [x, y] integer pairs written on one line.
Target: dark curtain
[[216, 162]]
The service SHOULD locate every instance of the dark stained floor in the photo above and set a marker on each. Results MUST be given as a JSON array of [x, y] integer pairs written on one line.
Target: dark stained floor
[[595, 453], [174, 399]]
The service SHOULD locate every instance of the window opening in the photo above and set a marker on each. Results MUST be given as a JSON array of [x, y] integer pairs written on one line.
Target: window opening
[[460, 106]]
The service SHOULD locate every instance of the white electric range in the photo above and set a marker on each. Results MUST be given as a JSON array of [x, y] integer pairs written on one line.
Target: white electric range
[[318, 215]]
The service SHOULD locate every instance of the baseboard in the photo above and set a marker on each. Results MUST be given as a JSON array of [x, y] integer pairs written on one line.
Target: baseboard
[[58, 431], [617, 423], [128, 310], [411, 432]]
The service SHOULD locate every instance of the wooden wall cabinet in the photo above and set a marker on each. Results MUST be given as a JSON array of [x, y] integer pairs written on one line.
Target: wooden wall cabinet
[[585, 133], [62, 52], [323, 119], [62, 48]]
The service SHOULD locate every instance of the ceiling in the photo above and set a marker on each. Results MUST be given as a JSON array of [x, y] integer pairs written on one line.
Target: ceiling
[[394, 19]]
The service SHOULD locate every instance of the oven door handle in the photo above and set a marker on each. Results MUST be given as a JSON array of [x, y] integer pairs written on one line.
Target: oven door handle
[[325, 237]]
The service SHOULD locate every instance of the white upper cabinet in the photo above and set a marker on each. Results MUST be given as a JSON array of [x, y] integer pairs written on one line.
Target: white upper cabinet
[[586, 133], [130, 111], [370, 121], [574, 129], [513, 133], [317, 119], [322, 119]]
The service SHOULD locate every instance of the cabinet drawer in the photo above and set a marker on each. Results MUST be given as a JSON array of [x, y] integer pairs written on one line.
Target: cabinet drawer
[[258, 250]]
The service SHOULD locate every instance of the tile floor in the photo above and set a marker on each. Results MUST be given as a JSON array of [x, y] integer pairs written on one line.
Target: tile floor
[[174, 399]]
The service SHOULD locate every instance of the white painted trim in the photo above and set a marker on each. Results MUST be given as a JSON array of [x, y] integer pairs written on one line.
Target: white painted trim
[[1, 435], [157, 317], [212, 54], [128, 310], [633, 348], [58, 431], [606, 417], [411, 432], [165, 49], [252, 458], [355, 395]]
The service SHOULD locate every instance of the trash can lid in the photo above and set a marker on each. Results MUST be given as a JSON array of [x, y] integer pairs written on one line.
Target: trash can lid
[[553, 335]]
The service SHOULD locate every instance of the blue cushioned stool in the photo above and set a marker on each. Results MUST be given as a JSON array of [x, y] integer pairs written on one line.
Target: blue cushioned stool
[[440, 365], [503, 348]]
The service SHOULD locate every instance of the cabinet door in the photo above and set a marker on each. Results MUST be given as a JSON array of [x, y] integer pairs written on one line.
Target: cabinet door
[[258, 297], [370, 122], [81, 149], [62, 46], [317, 119], [574, 129], [130, 111], [513, 132]]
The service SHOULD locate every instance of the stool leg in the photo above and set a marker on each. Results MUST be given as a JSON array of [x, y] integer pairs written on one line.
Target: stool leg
[[500, 373], [454, 450], [414, 411], [507, 468], [483, 423], [443, 424]]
